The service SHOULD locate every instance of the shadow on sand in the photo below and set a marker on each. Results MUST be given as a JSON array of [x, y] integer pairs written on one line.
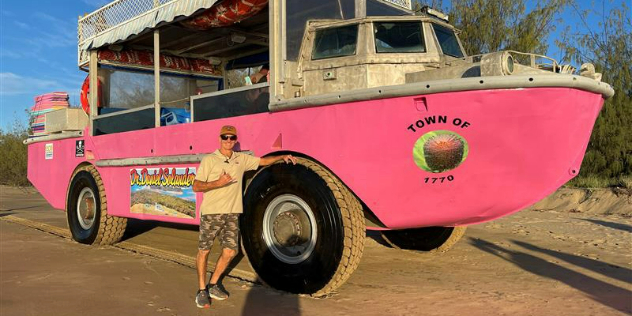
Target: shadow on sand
[[25, 208], [137, 227], [265, 301], [607, 294], [5, 213], [619, 226], [377, 236], [260, 300], [605, 269]]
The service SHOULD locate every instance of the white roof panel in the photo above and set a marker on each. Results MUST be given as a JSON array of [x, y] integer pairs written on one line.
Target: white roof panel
[[121, 19]]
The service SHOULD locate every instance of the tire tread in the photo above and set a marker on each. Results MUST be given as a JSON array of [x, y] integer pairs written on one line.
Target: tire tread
[[111, 228], [353, 223]]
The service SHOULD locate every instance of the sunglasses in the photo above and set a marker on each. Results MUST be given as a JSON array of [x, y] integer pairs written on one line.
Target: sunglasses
[[228, 137]]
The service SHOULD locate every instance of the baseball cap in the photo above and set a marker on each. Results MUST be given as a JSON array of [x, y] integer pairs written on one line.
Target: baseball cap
[[228, 129]]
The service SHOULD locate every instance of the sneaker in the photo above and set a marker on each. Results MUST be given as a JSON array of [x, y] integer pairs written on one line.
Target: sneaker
[[216, 292], [201, 299]]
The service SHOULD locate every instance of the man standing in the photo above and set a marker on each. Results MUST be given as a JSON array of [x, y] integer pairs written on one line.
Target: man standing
[[219, 177]]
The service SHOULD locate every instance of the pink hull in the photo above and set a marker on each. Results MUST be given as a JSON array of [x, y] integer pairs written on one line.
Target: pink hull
[[522, 145]]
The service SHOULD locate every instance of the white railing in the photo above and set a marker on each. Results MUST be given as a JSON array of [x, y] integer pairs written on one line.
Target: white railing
[[406, 4], [110, 16]]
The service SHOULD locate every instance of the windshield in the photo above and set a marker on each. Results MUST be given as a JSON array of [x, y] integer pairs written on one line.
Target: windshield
[[399, 37], [447, 40], [335, 42]]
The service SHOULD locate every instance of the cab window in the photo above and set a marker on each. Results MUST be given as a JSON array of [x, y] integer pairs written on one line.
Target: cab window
[[399, 37], [335, 42], [447, 40]]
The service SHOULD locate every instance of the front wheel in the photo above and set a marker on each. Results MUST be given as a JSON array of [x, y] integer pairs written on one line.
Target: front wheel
[[86, 210], [303, 231], [427, 239]]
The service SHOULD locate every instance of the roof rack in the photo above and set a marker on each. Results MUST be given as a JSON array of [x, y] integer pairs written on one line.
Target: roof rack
[[120, 19]]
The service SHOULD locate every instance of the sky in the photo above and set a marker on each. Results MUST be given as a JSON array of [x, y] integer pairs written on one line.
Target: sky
[[38, 51]]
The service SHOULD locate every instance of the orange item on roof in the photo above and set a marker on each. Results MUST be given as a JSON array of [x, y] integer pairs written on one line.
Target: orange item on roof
[[225, 13]]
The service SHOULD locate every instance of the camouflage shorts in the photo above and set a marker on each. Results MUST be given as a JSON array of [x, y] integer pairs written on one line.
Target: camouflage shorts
[[226, 225]]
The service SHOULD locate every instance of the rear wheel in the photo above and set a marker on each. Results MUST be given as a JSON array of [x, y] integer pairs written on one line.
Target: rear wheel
[[428, 239], [303, 231], [86, 210]]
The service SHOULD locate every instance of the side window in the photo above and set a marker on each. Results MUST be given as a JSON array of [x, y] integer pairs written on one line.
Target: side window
[[125, 89], [447, 40], [335, 42], [126, 99], [399, 37], [246, 100]]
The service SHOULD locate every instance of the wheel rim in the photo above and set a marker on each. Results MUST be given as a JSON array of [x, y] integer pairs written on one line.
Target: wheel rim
[[86, 208], [289, 229]]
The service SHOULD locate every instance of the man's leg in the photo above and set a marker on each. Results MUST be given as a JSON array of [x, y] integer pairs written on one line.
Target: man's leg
[[209, 227], [222, 263], [201, 262], [230, 243]]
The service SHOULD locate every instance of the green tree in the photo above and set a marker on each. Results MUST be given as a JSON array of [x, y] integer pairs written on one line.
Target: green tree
[[607, 44], [13, 155], [495, 25]]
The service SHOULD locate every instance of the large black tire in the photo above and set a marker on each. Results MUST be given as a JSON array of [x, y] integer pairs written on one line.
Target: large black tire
[[88, 218], [295, 252], [426, 239]]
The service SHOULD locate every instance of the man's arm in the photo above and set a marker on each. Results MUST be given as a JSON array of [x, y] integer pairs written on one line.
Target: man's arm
[[201, 186], [272, 159]]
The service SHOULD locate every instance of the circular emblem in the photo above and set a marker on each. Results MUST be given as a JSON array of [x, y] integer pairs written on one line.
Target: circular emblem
[[440, 151]]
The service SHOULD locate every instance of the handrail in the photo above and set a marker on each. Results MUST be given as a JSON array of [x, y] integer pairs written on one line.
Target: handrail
[[100, 9], [145, 107], [532, 58], [111, 16], [232, 90], [51, 137]]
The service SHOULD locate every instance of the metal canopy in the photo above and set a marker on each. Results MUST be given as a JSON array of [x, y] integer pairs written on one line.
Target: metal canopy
[[121, 19], [124, 20]]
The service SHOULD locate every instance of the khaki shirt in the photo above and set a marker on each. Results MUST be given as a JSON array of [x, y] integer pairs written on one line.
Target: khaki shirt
[[227, 199]]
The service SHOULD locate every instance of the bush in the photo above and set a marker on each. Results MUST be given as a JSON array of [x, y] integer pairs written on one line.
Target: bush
[[13, 156], [600, 182]]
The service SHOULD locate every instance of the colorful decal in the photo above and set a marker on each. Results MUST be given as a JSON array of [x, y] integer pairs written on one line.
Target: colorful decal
[[79, 148], [440, 151], [48, 151], [163, 191]]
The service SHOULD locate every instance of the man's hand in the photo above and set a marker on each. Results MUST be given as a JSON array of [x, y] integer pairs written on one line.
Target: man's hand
[[272, 159], [224, 179], [289, 158]]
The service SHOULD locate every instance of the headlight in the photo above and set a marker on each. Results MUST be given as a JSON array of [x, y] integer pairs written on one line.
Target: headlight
[[497, 64], [508, 64]]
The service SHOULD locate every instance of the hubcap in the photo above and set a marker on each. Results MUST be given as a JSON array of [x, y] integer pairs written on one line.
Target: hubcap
[[86, 208], [289, 229]]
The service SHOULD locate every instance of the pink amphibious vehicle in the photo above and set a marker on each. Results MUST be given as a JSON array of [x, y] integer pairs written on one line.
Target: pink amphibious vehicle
[[397, 129]]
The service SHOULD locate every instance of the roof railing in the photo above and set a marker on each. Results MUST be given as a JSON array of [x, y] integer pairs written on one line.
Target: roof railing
[[406, 4], [110, 16]]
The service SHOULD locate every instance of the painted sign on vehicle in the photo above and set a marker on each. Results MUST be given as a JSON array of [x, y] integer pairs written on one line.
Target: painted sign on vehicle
[[163, 191]]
